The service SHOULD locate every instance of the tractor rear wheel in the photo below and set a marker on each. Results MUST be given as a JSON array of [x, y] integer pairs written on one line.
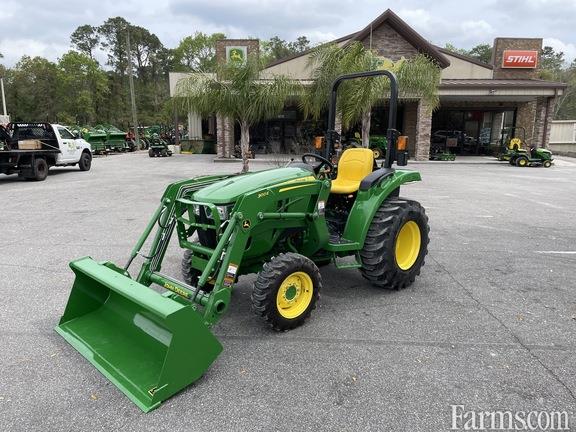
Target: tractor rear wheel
[[396, 244], [286, 291], [521, 161]]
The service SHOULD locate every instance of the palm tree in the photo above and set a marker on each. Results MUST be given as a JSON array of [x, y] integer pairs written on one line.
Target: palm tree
[[418, 77], [237, 92]]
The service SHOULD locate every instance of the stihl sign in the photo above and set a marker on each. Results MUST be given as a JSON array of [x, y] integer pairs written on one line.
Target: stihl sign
[[520, 59]]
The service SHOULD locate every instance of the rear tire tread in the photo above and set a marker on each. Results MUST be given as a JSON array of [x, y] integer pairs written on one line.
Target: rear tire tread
[[377, 255]]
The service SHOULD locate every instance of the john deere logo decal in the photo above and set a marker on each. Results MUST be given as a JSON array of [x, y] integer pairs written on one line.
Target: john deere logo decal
[[236, 54]]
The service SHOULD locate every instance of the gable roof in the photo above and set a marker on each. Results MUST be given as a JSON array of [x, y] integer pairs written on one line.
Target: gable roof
[[465, 58], [306, 52], [407, 32]]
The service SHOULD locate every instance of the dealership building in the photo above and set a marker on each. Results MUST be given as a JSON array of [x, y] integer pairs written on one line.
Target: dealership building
[[476, 98]]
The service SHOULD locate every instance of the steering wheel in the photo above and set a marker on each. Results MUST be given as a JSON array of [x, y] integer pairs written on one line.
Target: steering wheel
[[323, 161]]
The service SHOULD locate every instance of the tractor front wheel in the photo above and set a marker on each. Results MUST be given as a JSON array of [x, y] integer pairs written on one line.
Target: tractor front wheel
[[547, 164], [286, 291], [190, 275], [396, 244]]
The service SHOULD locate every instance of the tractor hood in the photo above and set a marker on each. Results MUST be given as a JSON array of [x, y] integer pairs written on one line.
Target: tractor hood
[[229, 190]]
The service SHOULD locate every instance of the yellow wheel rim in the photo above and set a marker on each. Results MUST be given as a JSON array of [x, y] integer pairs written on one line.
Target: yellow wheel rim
[[294, 295], [408, 245], [522, 162], [376, 153]]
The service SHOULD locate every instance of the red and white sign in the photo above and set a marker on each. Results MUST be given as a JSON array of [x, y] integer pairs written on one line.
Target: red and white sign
[[521, 59]]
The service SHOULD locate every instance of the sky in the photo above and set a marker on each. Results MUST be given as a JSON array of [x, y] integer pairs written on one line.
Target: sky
[[40, 27]]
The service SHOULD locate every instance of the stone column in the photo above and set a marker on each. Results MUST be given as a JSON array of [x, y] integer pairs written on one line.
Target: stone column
[[410, 115], [194, 126], [423, 131], [551, 102], [224, 137]]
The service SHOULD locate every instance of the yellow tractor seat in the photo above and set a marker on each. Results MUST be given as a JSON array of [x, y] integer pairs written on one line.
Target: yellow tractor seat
[[353, 166]]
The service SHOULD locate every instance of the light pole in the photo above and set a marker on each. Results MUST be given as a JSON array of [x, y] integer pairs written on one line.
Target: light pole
[[3, 96]]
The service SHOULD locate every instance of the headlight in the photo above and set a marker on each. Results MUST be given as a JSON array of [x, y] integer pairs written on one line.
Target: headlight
[[224, 211]]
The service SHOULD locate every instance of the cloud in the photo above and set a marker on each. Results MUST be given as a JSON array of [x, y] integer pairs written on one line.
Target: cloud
[[569, 49], [47, 25], [14, 49]]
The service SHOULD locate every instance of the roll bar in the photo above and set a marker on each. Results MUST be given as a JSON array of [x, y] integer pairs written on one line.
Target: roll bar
[[390, 133]]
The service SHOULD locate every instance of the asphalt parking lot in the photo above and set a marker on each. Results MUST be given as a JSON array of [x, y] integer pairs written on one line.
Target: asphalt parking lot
[[489, 324]]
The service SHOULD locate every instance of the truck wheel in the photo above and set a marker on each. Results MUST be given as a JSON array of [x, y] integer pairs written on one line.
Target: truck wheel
[[85, 161], [396, 244], [40, 170], [286, 291]]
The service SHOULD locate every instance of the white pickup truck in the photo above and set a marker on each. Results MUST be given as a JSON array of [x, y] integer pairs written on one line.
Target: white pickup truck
[[30, 149]]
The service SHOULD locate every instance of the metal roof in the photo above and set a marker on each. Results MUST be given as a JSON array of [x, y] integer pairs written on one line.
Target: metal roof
[[495, 83]]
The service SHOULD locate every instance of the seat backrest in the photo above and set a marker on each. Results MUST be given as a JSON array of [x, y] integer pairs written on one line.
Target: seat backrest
[[355, 164]]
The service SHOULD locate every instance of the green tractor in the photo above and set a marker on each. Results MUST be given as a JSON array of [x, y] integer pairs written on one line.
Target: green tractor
[[281, 224]]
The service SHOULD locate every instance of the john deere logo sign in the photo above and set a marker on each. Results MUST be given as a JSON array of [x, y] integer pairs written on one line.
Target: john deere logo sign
[[236, 54]]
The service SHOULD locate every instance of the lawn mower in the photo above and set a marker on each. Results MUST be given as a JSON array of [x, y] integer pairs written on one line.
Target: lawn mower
[[536, 157], [512, 140], [280, 223], [158, 147], [377, 143], [442, 141]]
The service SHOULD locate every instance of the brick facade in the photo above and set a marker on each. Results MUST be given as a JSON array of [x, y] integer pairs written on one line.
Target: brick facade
[[501, 44], [224, 137], [224, 126], [388, 43], [410, 120], [253, 47], [423, 131]]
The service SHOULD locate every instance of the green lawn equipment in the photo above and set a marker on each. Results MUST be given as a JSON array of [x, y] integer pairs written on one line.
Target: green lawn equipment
[[97, 139], [158, 147], [115, 139], [377, 144], [536, 157], [512, 140], [441, 142], [280, 223]]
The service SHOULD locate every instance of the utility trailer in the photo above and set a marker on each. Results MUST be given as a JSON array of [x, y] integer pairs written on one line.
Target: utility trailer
[[30, 149]]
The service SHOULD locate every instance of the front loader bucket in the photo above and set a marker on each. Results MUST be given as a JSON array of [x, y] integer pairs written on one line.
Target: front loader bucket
[[148, 345]]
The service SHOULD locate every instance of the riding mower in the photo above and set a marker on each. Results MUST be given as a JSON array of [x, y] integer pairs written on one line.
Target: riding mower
[[280, 223], [536, 157], [512, 139], [377, 144], [158, 147]]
